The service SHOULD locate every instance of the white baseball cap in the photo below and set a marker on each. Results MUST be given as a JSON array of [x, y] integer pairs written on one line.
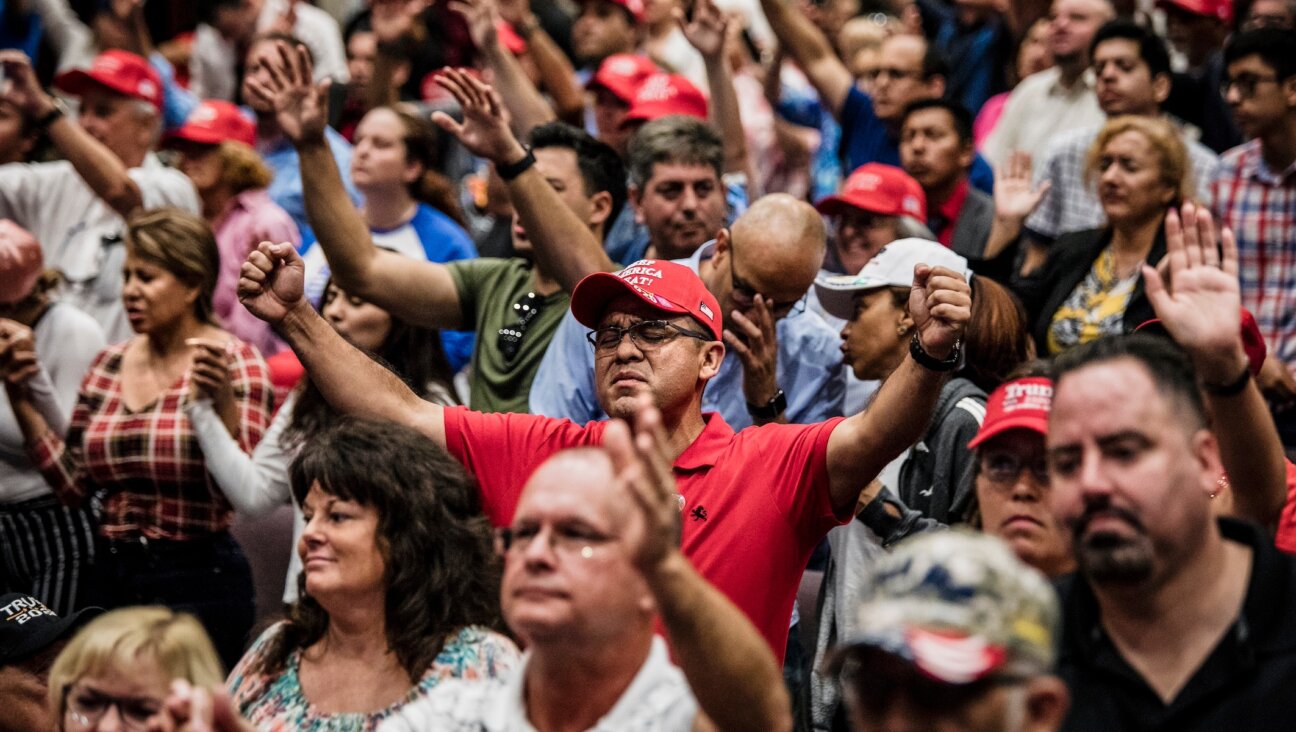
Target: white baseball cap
[[892, 266]]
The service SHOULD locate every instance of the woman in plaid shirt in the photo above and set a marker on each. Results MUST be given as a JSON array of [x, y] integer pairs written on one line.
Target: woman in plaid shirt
[[130, 450]]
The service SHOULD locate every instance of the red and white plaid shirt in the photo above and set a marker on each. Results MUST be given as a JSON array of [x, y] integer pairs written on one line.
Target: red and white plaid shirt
[[147, 464]]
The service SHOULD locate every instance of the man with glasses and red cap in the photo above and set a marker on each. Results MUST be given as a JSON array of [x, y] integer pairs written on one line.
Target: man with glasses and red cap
[[75, 207]]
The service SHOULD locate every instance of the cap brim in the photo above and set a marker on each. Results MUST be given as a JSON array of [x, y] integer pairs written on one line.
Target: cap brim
[[52, 632], [838, 204], [591, 296], [190, 134], [77, 81], [622, 91], [1034, 423], [839, 300], [956, 661]]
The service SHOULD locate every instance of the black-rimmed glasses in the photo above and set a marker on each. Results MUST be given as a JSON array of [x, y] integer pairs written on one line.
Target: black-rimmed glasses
[[84, 708], [647, 335], [510, 336], [744, 295]]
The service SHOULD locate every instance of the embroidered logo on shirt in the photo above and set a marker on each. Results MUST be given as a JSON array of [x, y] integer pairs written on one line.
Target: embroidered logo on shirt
[[699, 513]]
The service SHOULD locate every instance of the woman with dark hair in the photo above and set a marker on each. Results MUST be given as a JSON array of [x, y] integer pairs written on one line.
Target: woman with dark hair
[[257, 484], [399, 591], [409, 206], [163, 523]]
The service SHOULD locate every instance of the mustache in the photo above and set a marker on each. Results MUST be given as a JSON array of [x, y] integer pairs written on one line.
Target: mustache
[[1103, 507]]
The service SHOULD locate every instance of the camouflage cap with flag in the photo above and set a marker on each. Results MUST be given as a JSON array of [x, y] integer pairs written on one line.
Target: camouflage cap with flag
[[960, 607]]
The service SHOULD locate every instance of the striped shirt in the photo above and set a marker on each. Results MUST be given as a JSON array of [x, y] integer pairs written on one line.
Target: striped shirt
[[146, 465], [1260, 206]]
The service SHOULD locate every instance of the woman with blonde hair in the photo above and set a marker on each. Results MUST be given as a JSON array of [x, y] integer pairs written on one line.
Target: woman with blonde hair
[[163, 523], [116, 672], [1089, 286], [215, 147]]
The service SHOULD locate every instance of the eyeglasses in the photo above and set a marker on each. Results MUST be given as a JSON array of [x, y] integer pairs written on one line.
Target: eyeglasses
[[646, 335], [1005, 468], [744, 294], [510, 337], [1245, 84], [566, 541], [85, 707]]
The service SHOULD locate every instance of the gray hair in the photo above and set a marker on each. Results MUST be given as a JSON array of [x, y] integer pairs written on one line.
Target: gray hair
[[674, 139], [907, 227]]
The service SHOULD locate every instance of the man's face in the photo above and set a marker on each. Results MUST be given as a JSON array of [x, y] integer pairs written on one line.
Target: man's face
[[1125, 84], [1259, 101], [1130, 477], [119, 123], [899, 79], [237, 21], [1072, 27], [559, 166], [781, 275], [609, 113], [682, 205], [567, 575], [931, 152], [601, 29], [362, 52], [860, 235], [1270, 14], [668, 371], [1194, 35]]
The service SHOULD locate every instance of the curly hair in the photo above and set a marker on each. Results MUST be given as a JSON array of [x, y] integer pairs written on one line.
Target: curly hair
[[441, 571], [241, 168]]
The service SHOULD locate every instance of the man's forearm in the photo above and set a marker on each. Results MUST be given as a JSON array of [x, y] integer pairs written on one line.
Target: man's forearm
[[727, 117], [729, 666], [557, 76], [102, 171], [338, 225], [526, 105]]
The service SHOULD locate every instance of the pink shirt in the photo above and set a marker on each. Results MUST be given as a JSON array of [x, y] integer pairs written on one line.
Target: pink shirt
[[250, 218]]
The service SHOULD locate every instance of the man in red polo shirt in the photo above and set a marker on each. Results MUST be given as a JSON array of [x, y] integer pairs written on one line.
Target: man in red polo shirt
[[754, 503]]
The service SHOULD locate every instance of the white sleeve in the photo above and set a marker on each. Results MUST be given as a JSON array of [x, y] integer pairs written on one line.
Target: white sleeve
[[23, 189], [63, 28], [55, 390], [1003, 137], [161, 187], [254, 484], [320, 31]]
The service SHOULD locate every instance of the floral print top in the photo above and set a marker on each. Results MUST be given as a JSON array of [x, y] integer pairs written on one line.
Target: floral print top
[[274, 703]]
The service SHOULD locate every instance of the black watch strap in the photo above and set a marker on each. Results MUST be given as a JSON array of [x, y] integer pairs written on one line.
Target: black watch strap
[[510, 171], [1232, 388], [931, 363], [771, 409], [56, 112]]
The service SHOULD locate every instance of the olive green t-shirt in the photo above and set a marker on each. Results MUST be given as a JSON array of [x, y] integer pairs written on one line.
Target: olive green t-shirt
[[488, 289]]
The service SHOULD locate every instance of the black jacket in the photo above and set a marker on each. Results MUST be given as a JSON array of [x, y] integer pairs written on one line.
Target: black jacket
[[1069, 261]]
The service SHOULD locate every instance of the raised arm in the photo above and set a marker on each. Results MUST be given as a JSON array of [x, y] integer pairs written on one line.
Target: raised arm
[[103, 171], [1201, 310], [565, 247], [708, 32], [1014, 200], [526, 106], [557, 75], [940, 304], [271, 286], [418, 292], [729, 666], [807, 45]]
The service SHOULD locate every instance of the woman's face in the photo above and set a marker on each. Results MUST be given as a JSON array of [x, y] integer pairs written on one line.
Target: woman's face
[[1130, 182], [339, 547], [154, 297], [380, 159], [874, 340], [1034, 54], [1012, 491], [363, 325], [122, 697], [202, 163]]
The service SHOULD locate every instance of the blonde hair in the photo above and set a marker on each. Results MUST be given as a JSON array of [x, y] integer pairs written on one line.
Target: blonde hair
[[182, 244], [1166, 142], [241, 168], [175, 641]]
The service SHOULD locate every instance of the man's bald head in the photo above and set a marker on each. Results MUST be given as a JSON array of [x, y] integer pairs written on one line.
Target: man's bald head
[[775, 249]]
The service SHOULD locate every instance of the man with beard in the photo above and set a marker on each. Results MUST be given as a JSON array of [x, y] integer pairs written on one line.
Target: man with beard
[[1176, 620]]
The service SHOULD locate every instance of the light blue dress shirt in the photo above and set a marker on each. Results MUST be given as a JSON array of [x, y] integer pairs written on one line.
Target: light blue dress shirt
[[809, 372]]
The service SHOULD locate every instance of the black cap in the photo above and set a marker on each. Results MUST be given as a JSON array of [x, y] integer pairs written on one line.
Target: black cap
[[27, 626]]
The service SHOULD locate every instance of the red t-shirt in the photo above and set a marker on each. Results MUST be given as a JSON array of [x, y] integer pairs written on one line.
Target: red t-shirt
[[1285, 539], [755, 503]]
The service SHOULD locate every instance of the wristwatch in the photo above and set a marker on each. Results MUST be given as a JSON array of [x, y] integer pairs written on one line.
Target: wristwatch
[[509, 171], [57, 111], [931, 363], [771, 409]]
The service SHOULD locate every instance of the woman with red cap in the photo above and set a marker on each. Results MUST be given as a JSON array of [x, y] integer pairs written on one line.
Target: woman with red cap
[[45, 349]]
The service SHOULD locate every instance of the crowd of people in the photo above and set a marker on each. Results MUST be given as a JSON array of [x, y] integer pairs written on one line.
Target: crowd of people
[[564, 365]]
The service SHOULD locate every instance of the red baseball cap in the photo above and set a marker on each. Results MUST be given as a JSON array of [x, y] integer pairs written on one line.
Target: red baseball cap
[[1252, 342], [120, 71], [214, 121], [662, 95], [667, 286], [634, 7], [1221, 10], [881, 189], [1022, 404], [623, 74]]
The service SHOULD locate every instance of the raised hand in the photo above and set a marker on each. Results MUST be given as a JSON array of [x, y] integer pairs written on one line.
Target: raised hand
[[18, 362], [515, 12], [195, 709], [393, 20], [20, 87], [209, 376], [756, 345], [940, 303], [706, 31], [485, 129], [482, 17], [1014, 196], [642, 467], [1198, 298], [300, 105], [272, 281]]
